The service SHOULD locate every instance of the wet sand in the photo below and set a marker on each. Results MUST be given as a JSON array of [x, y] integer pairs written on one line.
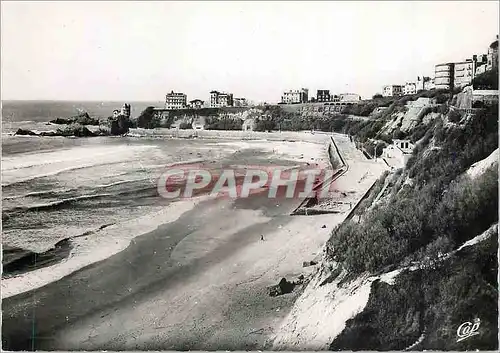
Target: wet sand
[[146, 271]]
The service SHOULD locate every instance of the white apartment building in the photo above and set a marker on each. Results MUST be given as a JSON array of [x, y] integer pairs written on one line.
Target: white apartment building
[[444, 76], [295, 96], [392, 90], [463, 73], [349, 97], [221, 99], [410, 88], [196, 104], [175, 100]]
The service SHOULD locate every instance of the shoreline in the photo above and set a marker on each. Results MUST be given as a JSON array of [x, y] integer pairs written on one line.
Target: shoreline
[[89, 247], [215, 278], [107, 242]]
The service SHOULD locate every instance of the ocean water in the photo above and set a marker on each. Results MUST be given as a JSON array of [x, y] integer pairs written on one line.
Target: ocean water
[[42, 111], [56, 188]]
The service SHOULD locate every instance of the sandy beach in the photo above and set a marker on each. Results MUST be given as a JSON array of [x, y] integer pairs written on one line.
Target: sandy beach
[[194, 275]]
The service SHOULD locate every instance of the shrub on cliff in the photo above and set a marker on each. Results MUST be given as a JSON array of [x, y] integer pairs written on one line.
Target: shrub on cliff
[[224, 123], [431, 301], [410, 222], [360, 109], [265, 124], [432, 207], [454, 116]]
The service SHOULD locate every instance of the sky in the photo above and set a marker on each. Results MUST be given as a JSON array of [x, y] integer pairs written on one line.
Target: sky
[[139, 51]]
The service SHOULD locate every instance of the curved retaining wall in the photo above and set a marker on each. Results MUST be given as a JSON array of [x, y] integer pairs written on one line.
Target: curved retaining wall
[[340, 167]]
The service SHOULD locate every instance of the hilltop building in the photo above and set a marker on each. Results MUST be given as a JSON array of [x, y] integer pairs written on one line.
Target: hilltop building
[[423, 83], [410, 88], [463, 73], [349, 97], [444, 76], [392, 90], [460, 74], [196, 104], [492, 61], [481, 61], [323, 95], [175, 100], [220, 99], [295, 96]]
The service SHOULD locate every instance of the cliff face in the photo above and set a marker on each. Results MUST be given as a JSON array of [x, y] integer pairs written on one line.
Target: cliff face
[[211, 116], [421, 257]]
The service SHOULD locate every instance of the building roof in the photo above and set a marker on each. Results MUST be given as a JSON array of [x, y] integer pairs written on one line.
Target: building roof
[[442, 64], [196, 100], [494, 45], [175, 94]]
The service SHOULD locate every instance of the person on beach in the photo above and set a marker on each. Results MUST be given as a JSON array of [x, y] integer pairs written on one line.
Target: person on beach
[[262, 237]]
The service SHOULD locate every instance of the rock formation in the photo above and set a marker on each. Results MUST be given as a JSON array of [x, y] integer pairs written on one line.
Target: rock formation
[[82, 118]]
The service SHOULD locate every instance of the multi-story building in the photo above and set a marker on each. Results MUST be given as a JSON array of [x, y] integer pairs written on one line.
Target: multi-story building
[[221, 99], [240, 102], [424, 83], [349, 97], [196, 104], [463, 73], [175, 100], [323, 95], [410, 88], [335, 98], [480, 62], [444, 76], [429, 83], [492, 56], [225, 99], [392, 90], [295, 96]]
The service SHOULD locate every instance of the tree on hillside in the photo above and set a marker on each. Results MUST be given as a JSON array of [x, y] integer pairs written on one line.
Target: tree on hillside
[[146, 119], [377, 96], [486, 80], [265, 124]]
